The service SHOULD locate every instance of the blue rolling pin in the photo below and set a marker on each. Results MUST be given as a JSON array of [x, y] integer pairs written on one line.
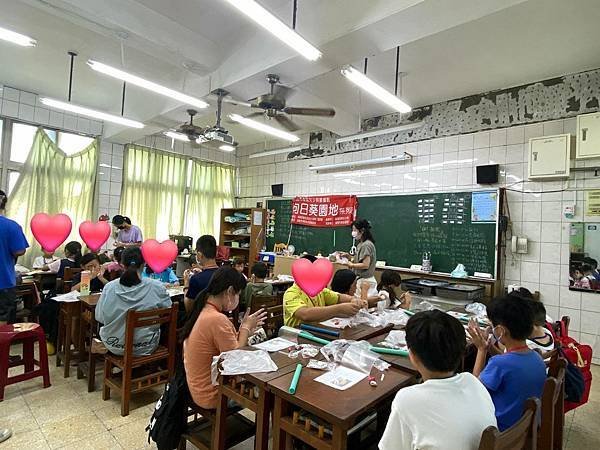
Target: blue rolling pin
[[319, 330]]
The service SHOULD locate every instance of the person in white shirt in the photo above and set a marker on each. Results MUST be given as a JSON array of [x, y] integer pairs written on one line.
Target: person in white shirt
[[42, 261], [448, 411]]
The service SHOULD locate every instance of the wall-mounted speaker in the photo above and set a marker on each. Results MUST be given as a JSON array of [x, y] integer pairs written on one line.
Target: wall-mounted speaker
[[277, 190], [487, 174]]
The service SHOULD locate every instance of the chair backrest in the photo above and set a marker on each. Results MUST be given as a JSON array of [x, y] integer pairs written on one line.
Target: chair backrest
[[557, 370], [549, 397], [147, 318], [273, 306], [67, 280], [521, 436]]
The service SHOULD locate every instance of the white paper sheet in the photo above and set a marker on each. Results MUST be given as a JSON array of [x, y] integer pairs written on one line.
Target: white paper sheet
[[337, 322], [173, 292], [341, 378], [274, 345], [69, 297]]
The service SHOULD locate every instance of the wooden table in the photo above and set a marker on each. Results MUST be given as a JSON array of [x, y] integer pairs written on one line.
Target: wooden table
[[400, 362], [358, 333], [88, 330], [340, 410], [253, 393]]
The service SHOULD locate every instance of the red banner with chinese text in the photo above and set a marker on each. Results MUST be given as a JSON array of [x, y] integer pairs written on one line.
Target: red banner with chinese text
[[324, 210]]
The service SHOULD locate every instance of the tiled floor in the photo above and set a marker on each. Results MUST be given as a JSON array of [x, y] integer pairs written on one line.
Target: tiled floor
[[66, 416]]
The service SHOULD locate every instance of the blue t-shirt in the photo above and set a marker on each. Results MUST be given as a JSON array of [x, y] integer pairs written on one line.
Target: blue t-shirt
[[166, 276], [12, 240], [199, 282], [511, 379]]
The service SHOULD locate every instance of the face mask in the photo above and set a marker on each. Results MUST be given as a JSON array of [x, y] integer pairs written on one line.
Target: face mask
[[233, 302], [354, 234]]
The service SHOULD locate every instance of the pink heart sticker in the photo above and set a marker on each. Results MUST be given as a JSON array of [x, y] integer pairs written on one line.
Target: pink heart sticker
[[94, 234], [50, 231], [159, 255], [312, 277]]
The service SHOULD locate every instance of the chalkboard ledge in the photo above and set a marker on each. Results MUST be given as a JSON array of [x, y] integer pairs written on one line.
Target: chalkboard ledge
[[438, 274]]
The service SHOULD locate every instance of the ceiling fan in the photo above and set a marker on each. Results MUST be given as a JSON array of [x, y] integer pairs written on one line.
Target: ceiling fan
[[274, 105], [215, 136]]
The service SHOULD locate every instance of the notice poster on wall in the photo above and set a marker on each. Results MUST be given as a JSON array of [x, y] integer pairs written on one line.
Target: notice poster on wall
[[324, 211], [484, 206], [593, 203]]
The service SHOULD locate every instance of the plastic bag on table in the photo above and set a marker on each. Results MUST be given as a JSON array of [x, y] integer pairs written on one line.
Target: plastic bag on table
[[240, 362], [424, 306], [334, 351], [303, 351], [396, 316], [364, 317], [358, 355], [395, 339], [321, 365], [477, 309]]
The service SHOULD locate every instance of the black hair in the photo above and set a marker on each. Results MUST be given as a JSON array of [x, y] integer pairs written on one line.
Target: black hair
[[591, 261], [238, 260], [117, 253], [120, 220], [364, 226], [522, 293], [585, 268], [148, 269], [132, 259], [342, 281], [389, 278], [88, 258], [260, 270], [437, 339], [514, 314], [311, 258], [207, 245], [3, 199], [222, 279], [539, 312], [74, 250]]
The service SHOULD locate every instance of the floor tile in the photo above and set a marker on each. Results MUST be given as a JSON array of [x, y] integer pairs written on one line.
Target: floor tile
[[102, 441], [59, 410], [111, 415], [26, 440], [19, 421], [133, 435], [64, 431]]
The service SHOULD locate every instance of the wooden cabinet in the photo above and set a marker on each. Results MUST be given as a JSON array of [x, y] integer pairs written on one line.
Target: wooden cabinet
[[243, 231], [549, 157], [588, 136]]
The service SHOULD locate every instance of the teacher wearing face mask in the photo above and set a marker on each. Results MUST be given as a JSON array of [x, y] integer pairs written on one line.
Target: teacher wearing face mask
[[128, 235], [365, 257]]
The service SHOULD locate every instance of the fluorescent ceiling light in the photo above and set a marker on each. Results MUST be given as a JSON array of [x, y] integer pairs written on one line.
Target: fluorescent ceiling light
[[227, 148], [379, 132], [276, 152], [91, 113], [275, 26], [368, 85], [264, 128], [177, 136], [151, 86], [17, 38], [366, 162]]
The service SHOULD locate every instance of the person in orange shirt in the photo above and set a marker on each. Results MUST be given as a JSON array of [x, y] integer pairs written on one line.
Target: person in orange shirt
[[208, 332]]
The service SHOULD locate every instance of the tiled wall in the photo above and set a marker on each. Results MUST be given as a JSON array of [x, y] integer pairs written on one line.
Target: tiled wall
[[26, 106], [446, 164]]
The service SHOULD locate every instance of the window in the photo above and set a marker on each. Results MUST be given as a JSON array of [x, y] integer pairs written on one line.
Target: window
[[22, 138], [73, 143], [13, 177]]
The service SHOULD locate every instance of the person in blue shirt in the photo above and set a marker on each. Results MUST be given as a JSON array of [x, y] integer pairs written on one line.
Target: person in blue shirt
[[12, 245], [167, 276], [517, 374], [196, 280]]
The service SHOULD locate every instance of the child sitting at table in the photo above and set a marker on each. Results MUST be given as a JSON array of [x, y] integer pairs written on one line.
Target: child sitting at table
[[388, 286], [208, 332], [256, 285], [114, 269], [448, 410], [91, 263], [167, 276], [126, 293], [239, 264], [298, 307], [72, 259], [519, 373], [47, 258]]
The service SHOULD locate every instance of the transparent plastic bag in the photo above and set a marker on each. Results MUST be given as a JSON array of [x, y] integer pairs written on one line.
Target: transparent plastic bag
[[303, 351], [477, 309], [240, 362], [396, 316], [395, 339], [364, 317], [321, 365], [353, 354]]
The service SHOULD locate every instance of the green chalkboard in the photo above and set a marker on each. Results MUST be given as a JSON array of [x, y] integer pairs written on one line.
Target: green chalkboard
[[404, 226]]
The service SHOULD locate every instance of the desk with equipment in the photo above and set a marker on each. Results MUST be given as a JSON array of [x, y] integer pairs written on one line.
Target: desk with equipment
[[454, 228]]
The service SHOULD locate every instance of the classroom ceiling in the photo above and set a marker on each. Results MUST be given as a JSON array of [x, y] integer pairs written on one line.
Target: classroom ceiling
[[448, 50]]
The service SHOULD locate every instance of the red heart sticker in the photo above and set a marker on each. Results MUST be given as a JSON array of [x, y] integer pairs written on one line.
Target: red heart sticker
[[50, 231], [94, 234], [312, 277], [159, 255]]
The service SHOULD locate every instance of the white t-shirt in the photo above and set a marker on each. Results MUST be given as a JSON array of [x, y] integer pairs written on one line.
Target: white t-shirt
[[443, 414], [534, 345], [40, 261]]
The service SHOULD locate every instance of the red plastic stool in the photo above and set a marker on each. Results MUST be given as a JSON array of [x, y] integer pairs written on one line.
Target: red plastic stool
[[27, 334]]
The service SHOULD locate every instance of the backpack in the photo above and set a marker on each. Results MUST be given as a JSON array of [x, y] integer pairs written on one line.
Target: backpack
[[169, 419], [579, 359]]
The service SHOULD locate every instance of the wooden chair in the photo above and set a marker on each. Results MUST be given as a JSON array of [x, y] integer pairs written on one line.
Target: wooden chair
[[124, 382], [551, 434], [273, 305], [65, 284], [521, 436], [280, 248]]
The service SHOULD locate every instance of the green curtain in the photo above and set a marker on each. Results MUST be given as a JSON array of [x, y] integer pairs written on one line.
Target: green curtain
[[211, 188], [53, 182], [153, 193]]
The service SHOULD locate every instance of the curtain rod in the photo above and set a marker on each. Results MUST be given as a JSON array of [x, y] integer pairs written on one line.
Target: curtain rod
[[181, 155]]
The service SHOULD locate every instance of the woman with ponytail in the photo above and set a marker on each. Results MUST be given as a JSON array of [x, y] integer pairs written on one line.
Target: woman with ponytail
[[131, 291], [208, 332]]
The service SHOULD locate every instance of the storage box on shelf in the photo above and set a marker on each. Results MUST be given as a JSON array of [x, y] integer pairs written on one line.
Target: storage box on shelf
[[243, 231]]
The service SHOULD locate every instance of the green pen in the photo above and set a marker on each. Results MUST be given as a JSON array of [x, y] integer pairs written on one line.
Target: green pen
[[295, 379]]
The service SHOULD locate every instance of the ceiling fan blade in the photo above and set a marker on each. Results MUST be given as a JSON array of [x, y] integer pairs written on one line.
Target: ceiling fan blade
[[286, 122], [233, 101], [255, 114], [323, 112]]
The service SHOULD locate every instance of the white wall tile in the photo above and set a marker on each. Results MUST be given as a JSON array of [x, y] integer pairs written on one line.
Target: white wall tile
[[70, 122], [41, 116], [515, 135], [26, 112], [27, 98], [590, 322], [530, 271], [549, 252], [552, 232], [10, 108], [11, 94], [56, 119], [465, 142], [498, 137], [451, 144]]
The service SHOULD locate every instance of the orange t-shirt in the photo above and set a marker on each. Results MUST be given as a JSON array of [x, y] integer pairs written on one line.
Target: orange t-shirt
[[212, 334]]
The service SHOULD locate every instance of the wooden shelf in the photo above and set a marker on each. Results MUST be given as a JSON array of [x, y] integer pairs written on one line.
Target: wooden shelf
[[237, 235], [255, 237]]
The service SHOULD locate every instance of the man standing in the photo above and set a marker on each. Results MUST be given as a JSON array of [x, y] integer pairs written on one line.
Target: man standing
[[12, 245]]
